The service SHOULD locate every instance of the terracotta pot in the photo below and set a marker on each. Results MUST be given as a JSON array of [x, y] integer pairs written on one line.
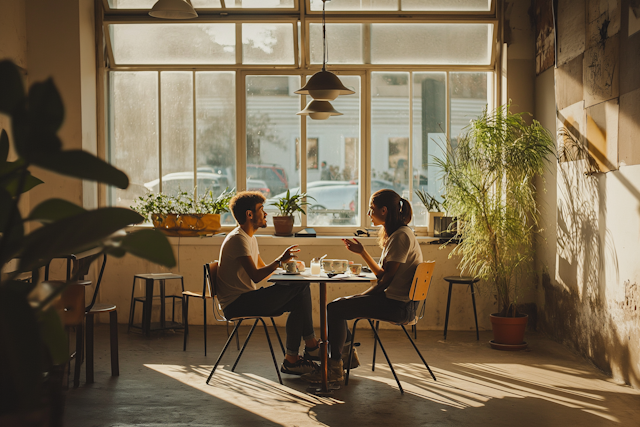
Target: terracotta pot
[[283, 225], [509, 330], [187, 225]]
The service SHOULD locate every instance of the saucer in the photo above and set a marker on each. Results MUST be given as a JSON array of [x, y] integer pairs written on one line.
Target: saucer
[[290, 274]]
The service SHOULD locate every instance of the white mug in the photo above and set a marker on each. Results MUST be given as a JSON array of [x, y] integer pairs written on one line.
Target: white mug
[[290, 266]]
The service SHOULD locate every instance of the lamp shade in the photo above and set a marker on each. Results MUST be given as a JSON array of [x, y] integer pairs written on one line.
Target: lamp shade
[[324, 86], [319, 110], [173, 9]]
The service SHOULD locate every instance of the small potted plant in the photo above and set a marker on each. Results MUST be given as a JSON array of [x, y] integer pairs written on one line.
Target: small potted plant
[[287, 206], [433, 206], [182, 214]]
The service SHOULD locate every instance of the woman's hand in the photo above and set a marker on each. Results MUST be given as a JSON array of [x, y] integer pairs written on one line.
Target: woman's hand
[[355, 246], [289, 253]]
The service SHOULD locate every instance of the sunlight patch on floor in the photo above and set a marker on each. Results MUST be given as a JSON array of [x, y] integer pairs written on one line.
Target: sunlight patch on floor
[[253, 393]]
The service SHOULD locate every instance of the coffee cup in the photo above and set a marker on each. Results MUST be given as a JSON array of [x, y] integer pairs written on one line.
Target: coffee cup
[[355, 269], [290, 266]]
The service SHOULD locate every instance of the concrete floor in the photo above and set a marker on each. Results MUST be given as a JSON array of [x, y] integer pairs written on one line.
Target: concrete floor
[[160, 385]]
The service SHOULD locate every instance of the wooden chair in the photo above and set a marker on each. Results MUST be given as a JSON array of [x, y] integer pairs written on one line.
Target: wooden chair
[[71, 309], [211, 271], [418, 292], [205, 295]]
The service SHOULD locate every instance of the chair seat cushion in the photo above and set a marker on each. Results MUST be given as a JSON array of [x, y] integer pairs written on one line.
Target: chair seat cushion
[[102, 308]]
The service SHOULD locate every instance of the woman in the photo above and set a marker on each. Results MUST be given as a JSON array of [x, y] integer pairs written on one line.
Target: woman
[[388, 299]]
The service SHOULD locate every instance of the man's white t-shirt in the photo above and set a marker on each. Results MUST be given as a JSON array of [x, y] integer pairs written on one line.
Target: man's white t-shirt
[[233, 280], [402, 247]]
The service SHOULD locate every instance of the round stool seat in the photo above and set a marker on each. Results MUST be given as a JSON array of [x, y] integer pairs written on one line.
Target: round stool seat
[[102, 308], [84, 282], [461, 279]]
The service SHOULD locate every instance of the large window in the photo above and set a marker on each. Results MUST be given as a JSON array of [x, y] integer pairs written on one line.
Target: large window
[[208, 105]]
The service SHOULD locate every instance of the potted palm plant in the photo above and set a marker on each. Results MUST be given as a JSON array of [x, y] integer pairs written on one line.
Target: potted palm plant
[[489, 186], [287, 206], [184, 214]]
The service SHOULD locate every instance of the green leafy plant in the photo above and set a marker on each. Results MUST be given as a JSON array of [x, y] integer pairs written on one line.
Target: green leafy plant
[[183, 203], [430, 203], [289, 204], [32, 339], [489, 185]]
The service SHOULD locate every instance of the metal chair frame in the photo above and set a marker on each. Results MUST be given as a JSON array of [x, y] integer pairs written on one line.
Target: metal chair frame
[[418, 292], [210, 271]]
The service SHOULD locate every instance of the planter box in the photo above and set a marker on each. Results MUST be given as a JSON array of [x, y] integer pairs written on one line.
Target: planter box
[[187, 225]]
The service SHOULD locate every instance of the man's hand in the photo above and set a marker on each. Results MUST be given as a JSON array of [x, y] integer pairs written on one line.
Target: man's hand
[[288, 254]]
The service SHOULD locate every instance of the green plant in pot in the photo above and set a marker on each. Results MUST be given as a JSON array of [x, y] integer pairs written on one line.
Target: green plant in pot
[[33, 342], [489, 186], [433, 206], [287, 206], [184, 214]]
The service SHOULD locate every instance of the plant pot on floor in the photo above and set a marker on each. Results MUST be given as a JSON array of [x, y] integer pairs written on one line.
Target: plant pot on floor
[[509, 331], [283, 225]]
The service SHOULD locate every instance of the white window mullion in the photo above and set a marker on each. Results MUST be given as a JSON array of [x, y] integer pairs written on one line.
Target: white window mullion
[[195, 151], [160, 131]]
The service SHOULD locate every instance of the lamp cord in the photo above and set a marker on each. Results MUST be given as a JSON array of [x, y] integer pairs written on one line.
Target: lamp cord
[[324, 39]]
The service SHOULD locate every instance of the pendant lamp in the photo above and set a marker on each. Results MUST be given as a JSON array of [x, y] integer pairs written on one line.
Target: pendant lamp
[[319, 110], [173, 9], [323, 86]]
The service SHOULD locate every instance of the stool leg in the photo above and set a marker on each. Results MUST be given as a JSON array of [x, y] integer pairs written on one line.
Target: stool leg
[[446, 318], [133, 305], [146, 307], [113, 341], [204, 305], [89, 342], [185, 319], [475, 315], [162, 308], [375, 346], [79, 354]]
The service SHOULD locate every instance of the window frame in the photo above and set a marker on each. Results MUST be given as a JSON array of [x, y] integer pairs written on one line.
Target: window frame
[[303, 68]]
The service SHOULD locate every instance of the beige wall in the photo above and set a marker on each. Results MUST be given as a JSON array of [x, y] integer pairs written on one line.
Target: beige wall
[[588, 254]]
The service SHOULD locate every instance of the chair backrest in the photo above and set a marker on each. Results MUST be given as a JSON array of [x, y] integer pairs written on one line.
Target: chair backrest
[[421, 281], [210, 278]]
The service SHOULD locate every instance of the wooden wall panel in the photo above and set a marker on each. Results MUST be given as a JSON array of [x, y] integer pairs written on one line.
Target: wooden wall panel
[[629, 128], [571, 29], [569, 82]]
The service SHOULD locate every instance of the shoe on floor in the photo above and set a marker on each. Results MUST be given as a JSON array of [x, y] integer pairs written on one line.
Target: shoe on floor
[[335, 373], [300, 367], [355, 360], [312, 353]]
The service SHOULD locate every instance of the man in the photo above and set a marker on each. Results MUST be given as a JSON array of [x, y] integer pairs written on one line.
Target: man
[[241, 267], [325, 173]]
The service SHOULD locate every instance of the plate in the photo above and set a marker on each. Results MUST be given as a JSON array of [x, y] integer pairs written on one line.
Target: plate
[[290, 274]]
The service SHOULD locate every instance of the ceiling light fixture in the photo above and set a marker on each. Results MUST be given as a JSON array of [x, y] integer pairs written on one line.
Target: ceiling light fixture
[[173, 9], [323, 86]]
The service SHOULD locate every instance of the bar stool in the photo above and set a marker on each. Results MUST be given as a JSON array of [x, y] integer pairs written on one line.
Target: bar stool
[[462, 281], [147, 302]]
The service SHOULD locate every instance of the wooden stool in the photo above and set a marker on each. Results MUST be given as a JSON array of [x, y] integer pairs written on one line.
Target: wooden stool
[[462, 281], [113, 338], [147, 301]]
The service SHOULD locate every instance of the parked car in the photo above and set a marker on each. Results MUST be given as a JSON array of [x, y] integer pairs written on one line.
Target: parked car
[[258, 185], [274, 175], [173, 183]]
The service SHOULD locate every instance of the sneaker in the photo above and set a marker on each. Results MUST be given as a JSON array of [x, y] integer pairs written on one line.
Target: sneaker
[[312, 353], [335, 373], [355, 360], [301, 366]]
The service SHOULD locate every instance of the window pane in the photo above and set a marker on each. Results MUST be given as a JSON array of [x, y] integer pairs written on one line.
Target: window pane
[[272, 130], [176, 95], [173, 43], [258, 4], [335, 186], [356, 5], [267, 44], [468, 92], [447, 5], [390, 131], [427, 5], [431, 43], [429, 137], [133, 139], [344, 43], [216, 133]]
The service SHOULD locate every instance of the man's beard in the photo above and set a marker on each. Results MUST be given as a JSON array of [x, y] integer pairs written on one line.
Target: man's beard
[[256, 222]]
